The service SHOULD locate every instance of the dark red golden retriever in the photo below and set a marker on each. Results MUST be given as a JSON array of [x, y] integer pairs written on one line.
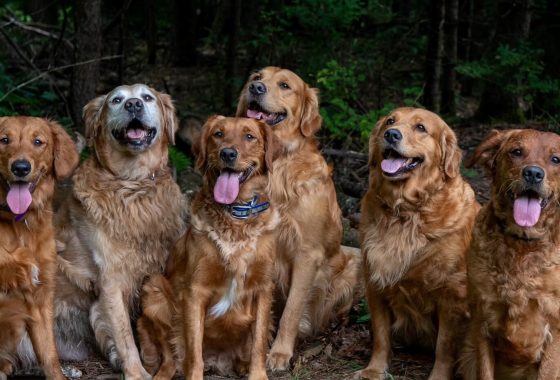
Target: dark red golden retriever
[[214, 308], [513, 264], [34, 153]]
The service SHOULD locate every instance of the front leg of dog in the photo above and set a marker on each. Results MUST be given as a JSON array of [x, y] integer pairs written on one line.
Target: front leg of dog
[[484, 354], [303, 276], [116, 312], [194, 313], [257, 370], [445, 346], [42, 337], [550, 362], [381, 329]]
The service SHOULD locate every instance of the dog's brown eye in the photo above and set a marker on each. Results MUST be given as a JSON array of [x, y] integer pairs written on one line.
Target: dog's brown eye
[[517, 152], [555, 160], [37, 142], [390, 121], [147, 98], [5, 140], [219, 134], [257, 77], [421, 127], [284, 85], [249, 137], [116, 100]]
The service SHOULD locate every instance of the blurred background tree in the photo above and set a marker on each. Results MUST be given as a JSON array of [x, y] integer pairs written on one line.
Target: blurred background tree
[[484, 59]]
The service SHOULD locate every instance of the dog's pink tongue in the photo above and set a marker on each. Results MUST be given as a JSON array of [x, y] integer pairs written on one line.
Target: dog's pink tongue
[[136, 133], [19, 198], [526, 211], [227, 188], [392, 165], [254, 114]]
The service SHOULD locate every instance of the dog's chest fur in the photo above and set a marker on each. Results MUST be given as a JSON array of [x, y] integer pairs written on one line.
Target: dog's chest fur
[[518, 291], [123, 218]]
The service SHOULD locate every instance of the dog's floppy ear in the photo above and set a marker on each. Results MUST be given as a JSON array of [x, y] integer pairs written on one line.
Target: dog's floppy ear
[[451, 154], [242, 104], [168, 117], [485, 153], [199, 147], [90, 114], [272, 145], [372, 144], [65, 153], [310, 118]]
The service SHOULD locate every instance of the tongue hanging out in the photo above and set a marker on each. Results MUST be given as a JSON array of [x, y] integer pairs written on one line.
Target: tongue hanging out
[[227, 187], [19, 197], [136, 133], [393, 165], [255, 114], [526, 211]]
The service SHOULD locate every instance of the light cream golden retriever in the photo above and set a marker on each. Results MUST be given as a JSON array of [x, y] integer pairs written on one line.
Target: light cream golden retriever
[[513, 263], [123, 217], [417, 217], [34, 153], [315, 277]]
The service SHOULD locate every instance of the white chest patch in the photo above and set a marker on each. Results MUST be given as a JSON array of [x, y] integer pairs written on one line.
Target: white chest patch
[[227, 301]]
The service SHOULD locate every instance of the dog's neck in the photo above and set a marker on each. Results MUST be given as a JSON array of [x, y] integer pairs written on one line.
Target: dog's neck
[[246, 209]]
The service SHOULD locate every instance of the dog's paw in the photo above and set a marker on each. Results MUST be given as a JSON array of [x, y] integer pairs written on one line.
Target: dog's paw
[[258, 375], [137, 374], [19, 276], [370, 374], [278, 360]]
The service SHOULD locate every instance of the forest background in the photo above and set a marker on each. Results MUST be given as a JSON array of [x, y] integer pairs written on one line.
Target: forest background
[[481, 64]]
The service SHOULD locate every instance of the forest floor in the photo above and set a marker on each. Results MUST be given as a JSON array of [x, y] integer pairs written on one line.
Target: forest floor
[[341, 350]]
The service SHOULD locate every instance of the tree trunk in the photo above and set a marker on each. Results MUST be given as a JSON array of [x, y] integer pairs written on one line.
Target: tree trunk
[[151, 33], [87, 19], [231, 62], [185, 33], [449, 58], [432, 92], [513, 24]]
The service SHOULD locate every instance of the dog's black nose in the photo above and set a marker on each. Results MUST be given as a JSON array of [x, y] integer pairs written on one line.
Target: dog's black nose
[[257, 88], [533, 174], [134, 105], [21, 168], [228, 155], [392, 135]]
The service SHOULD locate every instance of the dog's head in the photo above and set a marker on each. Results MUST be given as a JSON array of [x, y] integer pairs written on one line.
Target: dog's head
[[525, 167], [129, 122], [284, 101], [33, 151], [414, 144], [131, 118], [231, 151]]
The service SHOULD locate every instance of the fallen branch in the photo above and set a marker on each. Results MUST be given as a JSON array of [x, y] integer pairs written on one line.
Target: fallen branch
[[345, 153], [13, 21], [41, 75]]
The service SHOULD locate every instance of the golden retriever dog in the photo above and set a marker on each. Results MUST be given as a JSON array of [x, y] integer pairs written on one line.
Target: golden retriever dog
[[316, 278], [119, 225], [513, 263], [217, 302], [417, 217], [34, 153]]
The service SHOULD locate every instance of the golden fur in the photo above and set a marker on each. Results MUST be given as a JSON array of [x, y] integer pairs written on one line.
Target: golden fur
[[415, 228], [315, 277], [514, 271], [117, 228], [215, 308], [27, 247]]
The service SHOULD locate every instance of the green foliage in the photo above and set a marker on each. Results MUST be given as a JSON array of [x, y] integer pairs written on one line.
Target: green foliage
[[178, 159], [520, 72], [469, 173], [363, 313], [339, 93]]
